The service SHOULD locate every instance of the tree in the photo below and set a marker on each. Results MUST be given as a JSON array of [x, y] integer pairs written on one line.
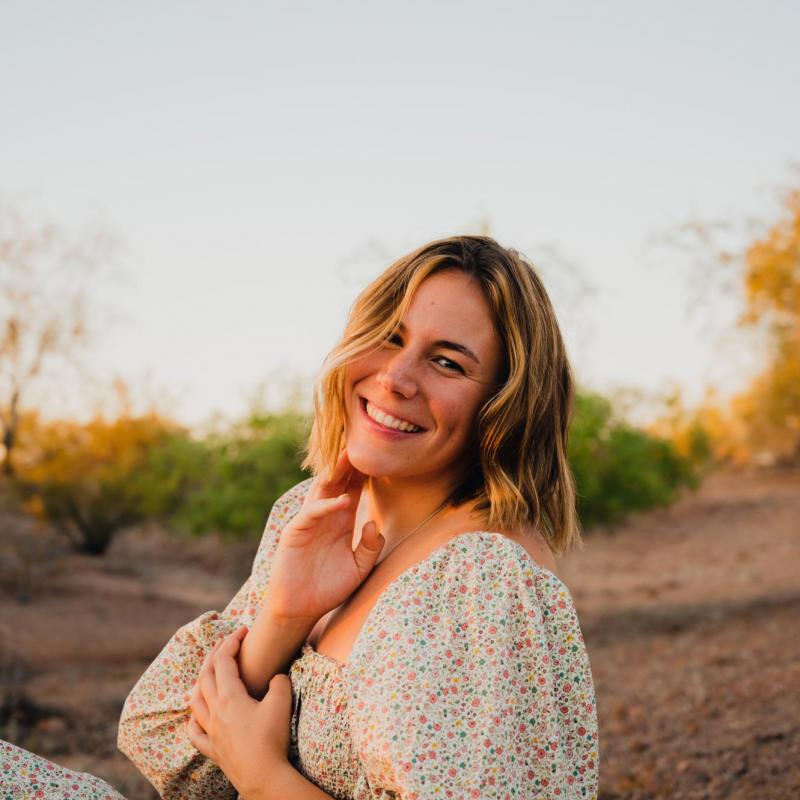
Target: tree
[[619, 468], [771, 405], [232, 476], [91, 479], [45, 274], [758, 264]]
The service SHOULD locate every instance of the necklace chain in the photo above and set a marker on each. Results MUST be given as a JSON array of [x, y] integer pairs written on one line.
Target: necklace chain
[[430, 516]]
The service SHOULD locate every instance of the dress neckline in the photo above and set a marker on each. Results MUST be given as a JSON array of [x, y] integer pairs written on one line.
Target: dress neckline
[[438, 551]]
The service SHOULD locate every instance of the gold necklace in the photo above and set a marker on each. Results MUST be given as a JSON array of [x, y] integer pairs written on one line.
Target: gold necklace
[[430, 516]]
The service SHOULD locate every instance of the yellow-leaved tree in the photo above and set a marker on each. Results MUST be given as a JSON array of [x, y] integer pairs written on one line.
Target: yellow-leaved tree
[[49, 312], [761, 423], [89, 479], [770, 406]]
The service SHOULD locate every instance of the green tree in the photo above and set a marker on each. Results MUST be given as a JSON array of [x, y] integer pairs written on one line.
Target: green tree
[[619, 468], [230, 486]]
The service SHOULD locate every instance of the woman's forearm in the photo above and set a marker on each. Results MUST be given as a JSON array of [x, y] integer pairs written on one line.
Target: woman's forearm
[[268, 649], [285, 781]]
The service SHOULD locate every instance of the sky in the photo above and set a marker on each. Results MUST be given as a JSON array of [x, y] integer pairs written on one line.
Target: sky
[[261, 162]]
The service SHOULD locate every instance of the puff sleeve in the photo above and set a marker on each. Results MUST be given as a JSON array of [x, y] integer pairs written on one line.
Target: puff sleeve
[[478, 686], [152, 728], [26, 776]]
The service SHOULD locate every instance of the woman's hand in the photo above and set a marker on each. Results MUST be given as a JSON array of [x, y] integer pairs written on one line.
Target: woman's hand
[[315, 568], [247, 739]]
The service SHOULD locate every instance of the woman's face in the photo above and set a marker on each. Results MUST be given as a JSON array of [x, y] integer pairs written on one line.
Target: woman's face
[[435, 374]]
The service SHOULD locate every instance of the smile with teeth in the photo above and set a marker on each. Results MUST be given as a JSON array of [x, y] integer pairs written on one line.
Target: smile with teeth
[[388, 421]]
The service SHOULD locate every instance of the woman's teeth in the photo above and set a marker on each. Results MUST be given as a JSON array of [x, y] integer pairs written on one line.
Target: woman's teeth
[[388, 421]]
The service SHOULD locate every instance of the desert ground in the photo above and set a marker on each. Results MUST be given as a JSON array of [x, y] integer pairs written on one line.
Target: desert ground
[[691, 616]]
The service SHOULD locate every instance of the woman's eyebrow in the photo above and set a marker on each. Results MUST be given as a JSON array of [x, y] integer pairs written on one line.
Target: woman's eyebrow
[[447, 345]]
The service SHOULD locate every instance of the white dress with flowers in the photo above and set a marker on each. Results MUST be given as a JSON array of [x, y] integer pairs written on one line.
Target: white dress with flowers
[[469, 679]]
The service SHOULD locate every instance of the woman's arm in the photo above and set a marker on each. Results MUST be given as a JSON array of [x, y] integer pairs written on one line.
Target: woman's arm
[[269, 649], [152, 728], [288, 782], [305, 566], [249, 739]]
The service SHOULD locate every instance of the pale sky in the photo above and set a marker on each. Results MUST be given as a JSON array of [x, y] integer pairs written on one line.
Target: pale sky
[[262, 161]]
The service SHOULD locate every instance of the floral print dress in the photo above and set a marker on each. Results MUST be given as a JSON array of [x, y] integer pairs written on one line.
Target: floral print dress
[[468, 679]]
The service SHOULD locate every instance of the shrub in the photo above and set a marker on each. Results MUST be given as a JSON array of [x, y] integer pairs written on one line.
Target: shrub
[[619, 468], [229, 481], [84, 477]]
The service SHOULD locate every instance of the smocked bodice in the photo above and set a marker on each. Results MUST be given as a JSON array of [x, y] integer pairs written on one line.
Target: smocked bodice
[[321, 744]]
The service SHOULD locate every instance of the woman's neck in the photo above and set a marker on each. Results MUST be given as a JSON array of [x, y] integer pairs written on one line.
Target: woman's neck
[[398, 506]]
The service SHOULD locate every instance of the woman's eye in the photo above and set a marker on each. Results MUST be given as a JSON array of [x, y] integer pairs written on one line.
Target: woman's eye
[[449, 364], [395, 338]]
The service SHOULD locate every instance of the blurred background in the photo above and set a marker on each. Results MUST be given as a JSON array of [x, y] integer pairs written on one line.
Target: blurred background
[[191, 197]]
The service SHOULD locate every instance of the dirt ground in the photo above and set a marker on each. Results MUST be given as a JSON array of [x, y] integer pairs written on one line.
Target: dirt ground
[[690, 616]]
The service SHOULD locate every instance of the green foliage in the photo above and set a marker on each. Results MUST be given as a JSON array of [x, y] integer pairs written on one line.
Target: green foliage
[[228, 481], [95, 478], [92, 479], [173, 472], [619, 468]]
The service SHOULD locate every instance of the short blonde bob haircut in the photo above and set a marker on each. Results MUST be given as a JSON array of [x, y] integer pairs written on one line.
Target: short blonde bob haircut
[[518, 468]]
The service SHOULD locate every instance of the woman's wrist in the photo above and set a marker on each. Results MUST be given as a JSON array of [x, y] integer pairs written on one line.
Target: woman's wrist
[[283, 780], [268, 649]]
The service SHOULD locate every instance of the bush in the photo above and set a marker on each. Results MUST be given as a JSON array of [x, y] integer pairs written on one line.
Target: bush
[[619, 468], [84, 478], [92, 479], [228, 481]]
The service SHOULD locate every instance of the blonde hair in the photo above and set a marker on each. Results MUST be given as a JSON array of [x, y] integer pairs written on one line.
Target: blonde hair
[[520, 471]]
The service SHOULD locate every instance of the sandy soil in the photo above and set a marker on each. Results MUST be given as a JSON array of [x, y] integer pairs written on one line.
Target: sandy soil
[[690, 615]]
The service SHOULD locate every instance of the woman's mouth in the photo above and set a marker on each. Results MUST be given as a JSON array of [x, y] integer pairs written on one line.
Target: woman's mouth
[[386, 423]]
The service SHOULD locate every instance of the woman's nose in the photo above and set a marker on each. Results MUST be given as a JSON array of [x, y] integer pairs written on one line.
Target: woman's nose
[[397, 376]]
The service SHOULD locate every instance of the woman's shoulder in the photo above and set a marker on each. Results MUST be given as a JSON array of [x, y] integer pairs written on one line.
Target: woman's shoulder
[[475, 653], [535, 544], [481, 557], [469, 584], [486, 577]]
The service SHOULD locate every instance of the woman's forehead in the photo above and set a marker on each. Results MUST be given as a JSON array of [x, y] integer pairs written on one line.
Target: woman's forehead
[[452, 293], [450, 305]]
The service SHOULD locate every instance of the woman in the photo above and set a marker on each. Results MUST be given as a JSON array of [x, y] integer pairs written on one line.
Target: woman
[[409, 589]]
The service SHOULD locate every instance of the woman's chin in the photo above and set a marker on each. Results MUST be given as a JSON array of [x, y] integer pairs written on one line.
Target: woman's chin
[[372, 465], [373, 470]]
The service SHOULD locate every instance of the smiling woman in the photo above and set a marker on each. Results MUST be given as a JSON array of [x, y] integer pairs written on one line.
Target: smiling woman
[[410, 378], [404, 633], [461, 333]]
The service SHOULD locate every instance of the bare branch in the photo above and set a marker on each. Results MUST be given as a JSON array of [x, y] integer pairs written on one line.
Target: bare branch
[[47, 276]]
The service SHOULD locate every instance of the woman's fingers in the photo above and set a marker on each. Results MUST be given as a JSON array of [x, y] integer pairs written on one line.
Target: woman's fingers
[[241, 632], [226, 670], [199, 707], [368, 549], [206, 680], [341, 477], [326, 505], [355, 485], [199, 738], [316, 510], [339, 472], [207, 688], [279, 691]]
